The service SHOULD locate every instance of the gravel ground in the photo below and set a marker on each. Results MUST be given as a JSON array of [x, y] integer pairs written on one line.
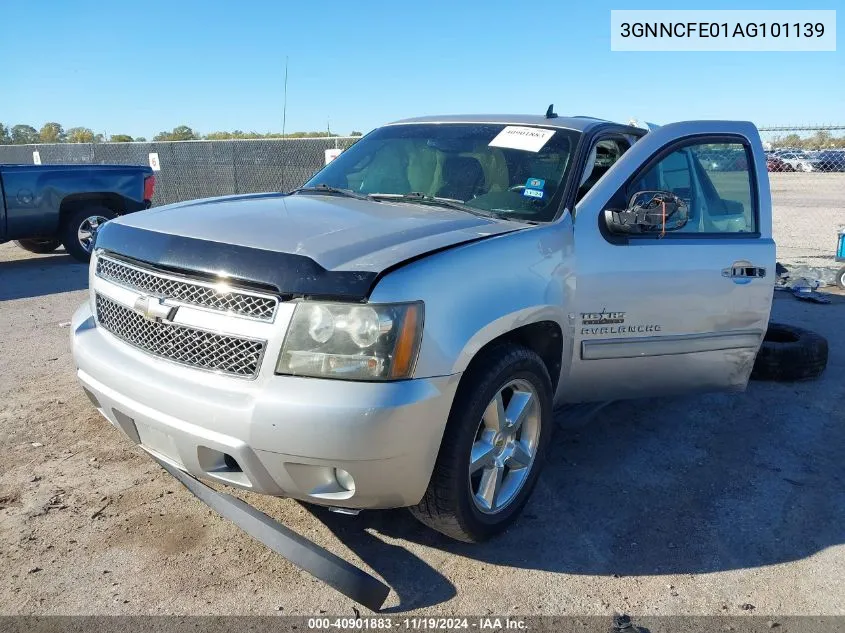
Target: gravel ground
[[699, 505]]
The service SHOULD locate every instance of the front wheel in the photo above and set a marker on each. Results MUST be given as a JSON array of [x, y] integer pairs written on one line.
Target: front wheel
[[840, 278], [79, 230], [493, 448], [38, 246]]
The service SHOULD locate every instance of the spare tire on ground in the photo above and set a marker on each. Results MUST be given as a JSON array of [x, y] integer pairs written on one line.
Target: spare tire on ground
[[789, 354]]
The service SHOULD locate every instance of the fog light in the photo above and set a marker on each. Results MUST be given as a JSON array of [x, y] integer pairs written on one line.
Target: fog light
[[344, 479]]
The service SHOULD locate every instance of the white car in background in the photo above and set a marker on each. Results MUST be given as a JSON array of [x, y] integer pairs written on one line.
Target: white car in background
[[800, 161]]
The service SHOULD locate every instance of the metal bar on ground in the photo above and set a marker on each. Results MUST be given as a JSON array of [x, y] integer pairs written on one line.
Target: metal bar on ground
[[321, 563]]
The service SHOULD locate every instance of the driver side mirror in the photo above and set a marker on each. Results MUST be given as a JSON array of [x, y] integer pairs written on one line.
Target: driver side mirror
[[649, 212]]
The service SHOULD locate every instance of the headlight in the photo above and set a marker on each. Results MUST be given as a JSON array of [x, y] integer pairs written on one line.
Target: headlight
[[352, 341]]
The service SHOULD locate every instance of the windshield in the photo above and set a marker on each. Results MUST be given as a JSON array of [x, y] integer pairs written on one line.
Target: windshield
[[504, 170]]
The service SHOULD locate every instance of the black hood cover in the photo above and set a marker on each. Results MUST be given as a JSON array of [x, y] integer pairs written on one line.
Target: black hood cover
[[283, 273]]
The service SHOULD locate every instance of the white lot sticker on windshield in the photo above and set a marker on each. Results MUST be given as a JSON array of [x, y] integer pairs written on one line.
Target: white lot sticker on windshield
[[530, 139]]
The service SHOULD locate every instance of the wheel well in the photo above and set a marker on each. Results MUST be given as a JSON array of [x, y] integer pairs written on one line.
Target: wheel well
[[77, 201], [545, 338]]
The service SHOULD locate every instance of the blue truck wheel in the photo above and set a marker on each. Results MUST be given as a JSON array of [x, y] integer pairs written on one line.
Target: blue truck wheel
[[80, 230]]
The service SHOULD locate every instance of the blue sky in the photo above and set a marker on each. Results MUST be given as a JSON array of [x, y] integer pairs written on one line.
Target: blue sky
[[141, 67]]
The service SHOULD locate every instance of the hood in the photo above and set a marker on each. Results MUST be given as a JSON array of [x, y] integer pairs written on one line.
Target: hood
[[300, 244]]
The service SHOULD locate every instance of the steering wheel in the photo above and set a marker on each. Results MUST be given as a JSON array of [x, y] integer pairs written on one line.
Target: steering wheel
[[516, 188]]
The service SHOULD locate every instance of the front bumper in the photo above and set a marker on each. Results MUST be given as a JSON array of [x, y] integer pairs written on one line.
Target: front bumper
[[277, 435], [334, 571]]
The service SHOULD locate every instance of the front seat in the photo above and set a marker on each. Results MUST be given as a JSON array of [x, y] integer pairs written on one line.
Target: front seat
[[387, 172], [463, 178]]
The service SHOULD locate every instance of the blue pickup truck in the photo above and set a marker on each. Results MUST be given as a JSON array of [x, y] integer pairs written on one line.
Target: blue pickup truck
[[43, 206]]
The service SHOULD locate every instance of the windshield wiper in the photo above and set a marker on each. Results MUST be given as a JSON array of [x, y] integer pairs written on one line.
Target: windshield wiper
[[331, 190], [451, 203]]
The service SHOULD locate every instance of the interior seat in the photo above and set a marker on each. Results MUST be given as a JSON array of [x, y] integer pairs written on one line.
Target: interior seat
[[388, 171], [463, 178]]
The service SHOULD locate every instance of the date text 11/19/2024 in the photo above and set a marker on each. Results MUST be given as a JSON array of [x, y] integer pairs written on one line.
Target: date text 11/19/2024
[[417, 624]]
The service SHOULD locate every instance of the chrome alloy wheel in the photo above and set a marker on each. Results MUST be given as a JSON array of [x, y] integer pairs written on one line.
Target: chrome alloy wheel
[[87, 231], [505, 445]]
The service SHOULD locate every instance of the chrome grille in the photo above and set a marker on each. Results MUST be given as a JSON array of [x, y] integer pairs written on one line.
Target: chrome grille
[[231, 355], [193, 292]]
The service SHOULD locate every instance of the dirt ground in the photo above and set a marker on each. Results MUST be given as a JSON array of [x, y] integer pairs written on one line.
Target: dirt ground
[[697, 505]]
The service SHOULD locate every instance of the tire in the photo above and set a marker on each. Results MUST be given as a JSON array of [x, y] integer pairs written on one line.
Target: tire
[[840, 278], [74, 228], [451, 505], [38, 246], [790, 354]]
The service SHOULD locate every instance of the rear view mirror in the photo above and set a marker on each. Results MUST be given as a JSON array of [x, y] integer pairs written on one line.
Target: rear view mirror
[[649, 212]]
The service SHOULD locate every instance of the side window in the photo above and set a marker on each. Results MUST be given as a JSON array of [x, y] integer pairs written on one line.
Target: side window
[[604, 153], [715, 182], [675, 174]]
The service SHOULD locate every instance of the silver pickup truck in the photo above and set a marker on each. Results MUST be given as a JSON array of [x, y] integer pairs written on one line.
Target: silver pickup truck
[[398, 331]]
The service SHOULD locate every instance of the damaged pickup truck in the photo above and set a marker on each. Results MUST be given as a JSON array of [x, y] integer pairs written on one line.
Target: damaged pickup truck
[[398, 331]]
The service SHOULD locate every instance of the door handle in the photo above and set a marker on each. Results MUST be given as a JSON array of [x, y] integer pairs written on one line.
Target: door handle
[[744, 270]]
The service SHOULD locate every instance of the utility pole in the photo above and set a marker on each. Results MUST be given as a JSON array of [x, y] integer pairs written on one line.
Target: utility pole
[[285, 105]]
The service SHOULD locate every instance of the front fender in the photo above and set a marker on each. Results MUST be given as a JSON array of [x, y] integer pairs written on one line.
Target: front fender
[[501, 326], [477, 292]]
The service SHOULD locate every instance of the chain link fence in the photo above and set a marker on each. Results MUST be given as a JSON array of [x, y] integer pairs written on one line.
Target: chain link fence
[[806, 165], [198, 169], [807, 178]]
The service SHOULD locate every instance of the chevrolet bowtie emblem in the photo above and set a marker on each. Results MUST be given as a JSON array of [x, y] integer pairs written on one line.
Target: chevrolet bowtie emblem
[[154, 309]]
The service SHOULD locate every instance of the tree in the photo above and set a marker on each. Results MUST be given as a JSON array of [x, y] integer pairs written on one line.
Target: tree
[[52, 133], [310, 134], [80, 135], [5, 139], [820, 140], [239, 134], [790, 140], [24, 135], [141, 139], [121, 138], [354, 133], [180, 133]]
